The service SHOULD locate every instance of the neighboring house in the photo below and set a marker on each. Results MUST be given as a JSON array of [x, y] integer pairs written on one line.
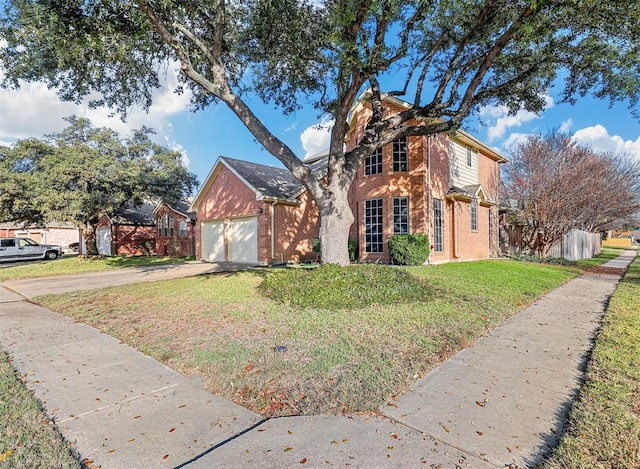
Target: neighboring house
[[445, 186], [128, 231], [175, 230], [256, 214], [61, 234]]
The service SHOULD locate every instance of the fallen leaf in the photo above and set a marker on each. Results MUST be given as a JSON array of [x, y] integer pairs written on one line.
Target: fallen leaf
[[334, 442], [288, 449], [480, 433], [482, 403], [111, 451], [390, 448], [303, 461], [137, 417], [6, 454], [446, 429], [181, 406], [261, 429], [345, 440], [172, 430], [404, 415], [394, 435], [166, 456], [246, 451], [289, 432], [131, 440]]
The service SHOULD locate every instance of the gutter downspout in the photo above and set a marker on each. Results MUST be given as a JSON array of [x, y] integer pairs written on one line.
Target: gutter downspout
[[456, 254], [429, 220], [273, 232]]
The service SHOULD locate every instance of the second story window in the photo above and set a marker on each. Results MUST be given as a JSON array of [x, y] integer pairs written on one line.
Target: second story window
[[373, 163], [400, 155], [469, 158]]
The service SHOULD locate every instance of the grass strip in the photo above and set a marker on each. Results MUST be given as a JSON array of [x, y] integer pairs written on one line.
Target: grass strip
[[604, 424], [28, 438]]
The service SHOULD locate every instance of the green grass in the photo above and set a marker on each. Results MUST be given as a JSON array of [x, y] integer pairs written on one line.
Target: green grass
[[28, 439], [340, 357], [605, 255], [604, 424], [73, 264]]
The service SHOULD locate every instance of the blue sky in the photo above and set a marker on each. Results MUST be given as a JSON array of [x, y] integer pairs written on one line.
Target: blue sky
[[34, 111]]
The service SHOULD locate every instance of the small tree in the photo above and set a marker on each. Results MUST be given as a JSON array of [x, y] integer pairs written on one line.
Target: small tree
[[82, 173], [557, 185]]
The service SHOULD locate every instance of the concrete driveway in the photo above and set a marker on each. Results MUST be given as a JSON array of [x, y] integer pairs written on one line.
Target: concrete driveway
[[30, 288]]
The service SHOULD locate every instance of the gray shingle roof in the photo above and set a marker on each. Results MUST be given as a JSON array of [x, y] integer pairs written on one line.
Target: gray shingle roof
[[271, 182], [129, 214]]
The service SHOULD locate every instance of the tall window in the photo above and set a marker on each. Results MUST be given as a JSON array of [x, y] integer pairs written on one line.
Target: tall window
[[183, 228], [400, 215], [159, 223], [469, 157], [490, 224], [171, 226], [400, 155], [474, 215], [166, 224], [373, 163], [373, 225], [437, 225]]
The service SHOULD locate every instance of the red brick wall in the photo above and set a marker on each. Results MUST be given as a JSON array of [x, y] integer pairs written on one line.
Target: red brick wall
[[133, 240], [176, 245]]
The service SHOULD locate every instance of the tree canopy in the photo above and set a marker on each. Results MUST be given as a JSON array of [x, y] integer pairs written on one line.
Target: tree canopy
[[555, 185], [83, 173], [446, 58]]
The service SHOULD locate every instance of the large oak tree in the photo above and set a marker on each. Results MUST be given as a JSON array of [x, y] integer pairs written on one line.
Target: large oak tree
[[83, 173], [445, 57]]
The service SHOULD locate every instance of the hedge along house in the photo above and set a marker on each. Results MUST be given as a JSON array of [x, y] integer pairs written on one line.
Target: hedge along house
[[175, 234], [445, 186], [127, 231], [254, 214]]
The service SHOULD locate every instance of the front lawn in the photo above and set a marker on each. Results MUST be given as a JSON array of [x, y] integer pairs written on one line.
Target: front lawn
[[73, 264], [277, 353], [604, 424]]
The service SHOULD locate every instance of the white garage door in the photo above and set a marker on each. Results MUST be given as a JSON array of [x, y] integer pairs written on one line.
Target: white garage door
[[243, 240], [213, 241], [103, 240]]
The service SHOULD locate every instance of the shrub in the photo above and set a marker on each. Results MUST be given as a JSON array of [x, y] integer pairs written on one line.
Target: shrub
[[409, 249], [333, 287]]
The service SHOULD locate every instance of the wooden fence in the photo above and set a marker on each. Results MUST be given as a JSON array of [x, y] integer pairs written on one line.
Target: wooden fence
[[577, 244]]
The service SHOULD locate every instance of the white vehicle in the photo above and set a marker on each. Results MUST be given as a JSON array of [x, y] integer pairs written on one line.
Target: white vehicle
[[16, 249]]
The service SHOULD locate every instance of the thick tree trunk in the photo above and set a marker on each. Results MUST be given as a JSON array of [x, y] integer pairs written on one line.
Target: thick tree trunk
[[89, 233], [335, 223]]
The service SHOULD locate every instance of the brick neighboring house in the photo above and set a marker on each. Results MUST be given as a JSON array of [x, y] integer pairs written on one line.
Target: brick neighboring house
[[445, 186], [128, 231], [176, 234], [256, 214]]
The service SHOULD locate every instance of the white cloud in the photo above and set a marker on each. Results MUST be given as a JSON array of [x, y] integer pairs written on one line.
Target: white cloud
[[317, 137], [34, 111], [599, 139], [566, 126], [514, 140], [505, 121]]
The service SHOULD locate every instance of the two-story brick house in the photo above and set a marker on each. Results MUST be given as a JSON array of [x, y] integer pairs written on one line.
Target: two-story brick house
[[445, 186]]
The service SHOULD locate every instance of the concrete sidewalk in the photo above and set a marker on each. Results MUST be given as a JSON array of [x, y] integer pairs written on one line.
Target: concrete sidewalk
[[502, 401]]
